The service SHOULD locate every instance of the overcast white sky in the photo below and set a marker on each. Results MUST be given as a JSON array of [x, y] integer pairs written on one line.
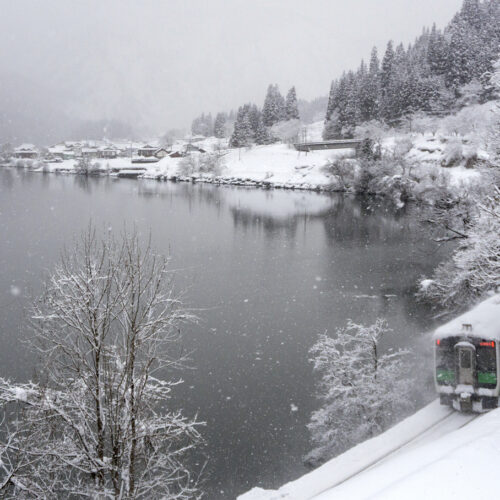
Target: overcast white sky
[[162, 62]]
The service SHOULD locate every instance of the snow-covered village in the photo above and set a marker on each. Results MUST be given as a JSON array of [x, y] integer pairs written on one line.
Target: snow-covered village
[[249, 250]]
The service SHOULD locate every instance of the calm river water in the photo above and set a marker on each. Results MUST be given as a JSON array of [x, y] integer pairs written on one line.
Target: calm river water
[[268, 271]]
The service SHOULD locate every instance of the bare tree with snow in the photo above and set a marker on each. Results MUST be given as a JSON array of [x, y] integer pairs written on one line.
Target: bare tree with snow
[[363, 391], [97, 423], [474, 268]]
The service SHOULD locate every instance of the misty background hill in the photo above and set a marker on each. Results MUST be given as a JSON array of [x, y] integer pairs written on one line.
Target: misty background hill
[[155, 65]]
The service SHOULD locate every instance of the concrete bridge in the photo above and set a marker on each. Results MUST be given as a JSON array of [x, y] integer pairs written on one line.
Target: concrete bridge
[[333, 144]]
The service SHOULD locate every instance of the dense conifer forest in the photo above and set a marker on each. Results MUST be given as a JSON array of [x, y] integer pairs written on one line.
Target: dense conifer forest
[[441, 72]]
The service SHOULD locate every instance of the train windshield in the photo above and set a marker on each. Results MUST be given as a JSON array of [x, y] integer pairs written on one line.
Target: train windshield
[[445, 364], [486, 365], [445, 358], [486, 359]]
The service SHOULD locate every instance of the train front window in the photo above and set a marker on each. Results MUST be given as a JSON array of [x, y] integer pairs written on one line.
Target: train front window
[[465, 359], [486, 359], [445, 365], [486, 362]]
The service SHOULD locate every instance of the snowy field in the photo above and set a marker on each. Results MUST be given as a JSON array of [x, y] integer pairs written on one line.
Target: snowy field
[[435, 453]]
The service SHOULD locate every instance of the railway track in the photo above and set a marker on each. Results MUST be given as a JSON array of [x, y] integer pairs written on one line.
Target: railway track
[[452, 421]]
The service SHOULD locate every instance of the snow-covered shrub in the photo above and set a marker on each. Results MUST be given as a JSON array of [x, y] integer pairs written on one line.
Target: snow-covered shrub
[[472, 121], [470, 93], [474, 269], [85, 166], [424, 123], [344, 172], [362, 390], [188, 165], [399, 188], [374, 130], [201, 163], [494, 130], [211, 163], [433, 185], [286, 131], [386, 176], [453, 153], [402, 146], [372, 174], [470, 156]]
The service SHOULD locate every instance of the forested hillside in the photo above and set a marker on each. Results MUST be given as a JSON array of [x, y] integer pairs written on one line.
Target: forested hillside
[[439, 73]]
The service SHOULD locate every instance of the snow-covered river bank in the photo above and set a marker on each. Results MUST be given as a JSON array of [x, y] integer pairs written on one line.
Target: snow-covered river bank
[[267, 270], [417, 157]]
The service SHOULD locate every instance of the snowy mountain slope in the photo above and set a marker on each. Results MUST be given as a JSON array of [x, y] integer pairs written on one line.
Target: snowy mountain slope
[[435, 453]]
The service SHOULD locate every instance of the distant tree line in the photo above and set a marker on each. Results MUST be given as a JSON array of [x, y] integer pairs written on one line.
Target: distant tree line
[[433, 75], [442, 71], [250, 124], [254, 125], [207, 126]]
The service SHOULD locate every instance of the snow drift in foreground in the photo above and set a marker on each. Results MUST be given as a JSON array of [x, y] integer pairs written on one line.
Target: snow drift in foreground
[[436, 453]]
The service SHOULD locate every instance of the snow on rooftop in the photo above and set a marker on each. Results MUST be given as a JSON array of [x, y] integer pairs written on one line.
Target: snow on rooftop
[[57, 148], [484, 321], [25, 147]]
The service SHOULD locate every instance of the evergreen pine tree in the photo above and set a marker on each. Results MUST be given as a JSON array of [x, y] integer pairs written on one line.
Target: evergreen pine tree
[[220, 125], [387, 67], [331, 100], [254, 117], [437, 52], [332, 128], [280, 105], [261, 132], [242, 134], [291, 108], [202, 125], [273, 110], [370, 108], [367, 93], [208, 125], [351, 116]]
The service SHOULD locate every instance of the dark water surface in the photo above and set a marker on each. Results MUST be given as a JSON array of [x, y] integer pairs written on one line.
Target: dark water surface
[[269, 270]]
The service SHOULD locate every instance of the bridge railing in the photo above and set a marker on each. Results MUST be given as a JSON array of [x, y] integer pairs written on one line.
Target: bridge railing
[[333, 144]]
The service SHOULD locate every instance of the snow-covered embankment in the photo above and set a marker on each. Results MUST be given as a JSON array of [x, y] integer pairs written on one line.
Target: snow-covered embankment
[[435, 453]]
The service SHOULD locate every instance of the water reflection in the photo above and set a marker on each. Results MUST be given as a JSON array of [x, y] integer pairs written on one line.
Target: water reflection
[[7, 178], [268, 271], [278, 212]]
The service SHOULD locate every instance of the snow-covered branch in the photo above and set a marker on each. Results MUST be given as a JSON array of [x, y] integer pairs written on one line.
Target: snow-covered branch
[[94, 425], [362, 390]]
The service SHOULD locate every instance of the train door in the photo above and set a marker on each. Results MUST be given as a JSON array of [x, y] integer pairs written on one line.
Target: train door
[[466, 364]]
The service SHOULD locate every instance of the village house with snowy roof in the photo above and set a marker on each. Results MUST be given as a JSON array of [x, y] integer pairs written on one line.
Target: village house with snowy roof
[[28, 151], [108, 152]]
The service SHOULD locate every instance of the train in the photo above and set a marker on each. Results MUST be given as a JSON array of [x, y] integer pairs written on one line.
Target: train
[[467, 357]]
